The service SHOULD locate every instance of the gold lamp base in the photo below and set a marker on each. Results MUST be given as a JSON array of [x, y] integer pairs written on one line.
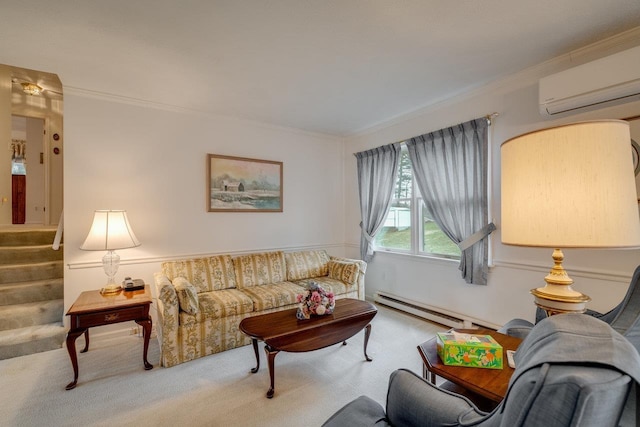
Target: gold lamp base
[[558, 296], [111, 289]]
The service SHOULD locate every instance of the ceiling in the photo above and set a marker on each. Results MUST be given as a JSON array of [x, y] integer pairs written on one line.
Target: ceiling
[[333, 66]]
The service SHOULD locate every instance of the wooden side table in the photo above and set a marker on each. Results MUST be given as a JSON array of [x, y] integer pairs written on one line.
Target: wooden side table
[[485, 387], [94, 309]]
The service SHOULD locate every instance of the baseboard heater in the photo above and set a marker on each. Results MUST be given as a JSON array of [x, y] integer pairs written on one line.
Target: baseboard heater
[[431, 313]]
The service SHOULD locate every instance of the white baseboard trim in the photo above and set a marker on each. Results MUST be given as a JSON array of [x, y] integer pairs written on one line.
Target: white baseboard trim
[[430, 312]]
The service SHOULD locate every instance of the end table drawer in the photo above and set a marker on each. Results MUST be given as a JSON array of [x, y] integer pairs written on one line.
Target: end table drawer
[[111, 316]]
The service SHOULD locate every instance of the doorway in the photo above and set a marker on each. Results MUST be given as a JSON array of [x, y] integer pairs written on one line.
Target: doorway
[[28, 171], [31, 171]]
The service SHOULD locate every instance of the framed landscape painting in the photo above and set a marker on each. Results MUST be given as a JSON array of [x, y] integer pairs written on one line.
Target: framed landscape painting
[[238, 184]]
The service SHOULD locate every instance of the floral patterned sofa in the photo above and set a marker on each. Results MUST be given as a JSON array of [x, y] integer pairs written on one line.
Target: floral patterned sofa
[[201, 301]]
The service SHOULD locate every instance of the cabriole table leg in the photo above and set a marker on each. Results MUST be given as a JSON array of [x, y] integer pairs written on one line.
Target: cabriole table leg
[[71, 348], [271, 356], [146, 333], [367, 332], [254, 342], [86, 341]]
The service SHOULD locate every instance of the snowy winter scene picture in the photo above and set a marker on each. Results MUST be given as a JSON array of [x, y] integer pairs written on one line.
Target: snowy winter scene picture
[[237, 184]]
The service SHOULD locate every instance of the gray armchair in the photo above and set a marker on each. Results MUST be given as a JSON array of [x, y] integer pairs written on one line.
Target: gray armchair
[[571, 370]]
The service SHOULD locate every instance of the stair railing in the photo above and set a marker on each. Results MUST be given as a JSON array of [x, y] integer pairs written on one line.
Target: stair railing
[[58, 237]]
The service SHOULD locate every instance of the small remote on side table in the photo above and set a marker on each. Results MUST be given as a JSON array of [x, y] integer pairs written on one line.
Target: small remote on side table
[[510, 360]]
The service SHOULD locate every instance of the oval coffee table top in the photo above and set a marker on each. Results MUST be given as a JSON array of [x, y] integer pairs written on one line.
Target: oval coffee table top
[[283, 331]]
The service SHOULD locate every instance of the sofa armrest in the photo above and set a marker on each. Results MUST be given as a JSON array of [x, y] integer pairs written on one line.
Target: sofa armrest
[[167, 324], [362, 269], [412, 401]]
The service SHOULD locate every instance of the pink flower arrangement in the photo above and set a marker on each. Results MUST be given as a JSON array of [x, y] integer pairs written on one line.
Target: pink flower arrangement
[[315, 301]]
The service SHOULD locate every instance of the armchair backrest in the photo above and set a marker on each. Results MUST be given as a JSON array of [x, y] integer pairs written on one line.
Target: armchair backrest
[[571, 370], [565, 395], [625, 317]]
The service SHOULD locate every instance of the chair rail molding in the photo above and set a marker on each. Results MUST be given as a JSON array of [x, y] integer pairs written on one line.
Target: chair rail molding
[[158, 259], [609, 276]]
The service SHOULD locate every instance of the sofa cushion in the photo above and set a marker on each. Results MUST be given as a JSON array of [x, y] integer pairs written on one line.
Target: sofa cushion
[[259, 269], [344, 271], [328, 284], [305, 264], [223, 275], [187, 295], [218, 304], [206, 274], [273, 295]]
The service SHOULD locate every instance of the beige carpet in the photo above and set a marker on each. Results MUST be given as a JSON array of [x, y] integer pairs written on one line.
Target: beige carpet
[[114, 389]]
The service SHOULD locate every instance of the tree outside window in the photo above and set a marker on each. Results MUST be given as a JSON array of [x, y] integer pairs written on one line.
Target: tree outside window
[[407, 228]]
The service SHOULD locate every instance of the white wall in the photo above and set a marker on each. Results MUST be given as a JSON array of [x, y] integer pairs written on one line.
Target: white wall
[[5, 135], [152, 162], [603, 275]]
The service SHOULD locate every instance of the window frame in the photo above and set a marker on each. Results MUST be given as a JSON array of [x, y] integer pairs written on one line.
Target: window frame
[[416, 224]]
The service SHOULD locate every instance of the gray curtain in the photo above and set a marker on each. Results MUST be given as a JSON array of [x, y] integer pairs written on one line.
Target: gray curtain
[[377, 171], [450, 169]]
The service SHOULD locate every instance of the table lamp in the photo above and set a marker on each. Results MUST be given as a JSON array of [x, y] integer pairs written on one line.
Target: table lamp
[[109, 231], [570, 186]]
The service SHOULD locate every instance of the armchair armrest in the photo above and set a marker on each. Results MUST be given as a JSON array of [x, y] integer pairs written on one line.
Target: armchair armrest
[[363, 411], [412, 401], [518, 328]]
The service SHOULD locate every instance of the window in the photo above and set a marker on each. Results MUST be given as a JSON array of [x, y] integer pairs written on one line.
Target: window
[[408, 228]]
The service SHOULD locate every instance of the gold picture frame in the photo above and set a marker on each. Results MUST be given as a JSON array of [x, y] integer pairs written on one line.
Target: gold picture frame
[[240, 184]]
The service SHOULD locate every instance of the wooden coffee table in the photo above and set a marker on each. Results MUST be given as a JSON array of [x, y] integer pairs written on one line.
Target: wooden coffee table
[[282, 331], [485, 387]]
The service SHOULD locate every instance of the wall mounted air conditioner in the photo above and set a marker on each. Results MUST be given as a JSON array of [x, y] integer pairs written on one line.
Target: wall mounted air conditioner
[[612, 79]]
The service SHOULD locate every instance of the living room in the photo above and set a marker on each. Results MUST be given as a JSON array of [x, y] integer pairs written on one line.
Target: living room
[[129, 145]]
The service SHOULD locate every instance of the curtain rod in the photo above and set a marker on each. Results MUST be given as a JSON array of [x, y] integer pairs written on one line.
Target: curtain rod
[[489, 118]]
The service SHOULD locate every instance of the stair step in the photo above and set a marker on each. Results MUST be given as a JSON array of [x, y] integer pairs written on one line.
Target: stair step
[[30, 272], [31, 339], [27, 237], [39, 290], [31, 314], [26, 254], [31, 291]]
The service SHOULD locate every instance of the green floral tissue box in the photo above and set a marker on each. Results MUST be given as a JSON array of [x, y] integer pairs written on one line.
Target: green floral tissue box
[[474, 351]]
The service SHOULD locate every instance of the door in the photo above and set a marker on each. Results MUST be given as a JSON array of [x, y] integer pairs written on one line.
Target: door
[[19, 198]]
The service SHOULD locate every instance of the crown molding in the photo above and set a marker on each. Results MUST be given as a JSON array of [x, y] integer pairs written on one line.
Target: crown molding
[[137, 102]]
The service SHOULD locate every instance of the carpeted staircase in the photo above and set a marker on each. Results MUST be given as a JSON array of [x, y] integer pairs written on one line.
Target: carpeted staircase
[[31, 292]]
